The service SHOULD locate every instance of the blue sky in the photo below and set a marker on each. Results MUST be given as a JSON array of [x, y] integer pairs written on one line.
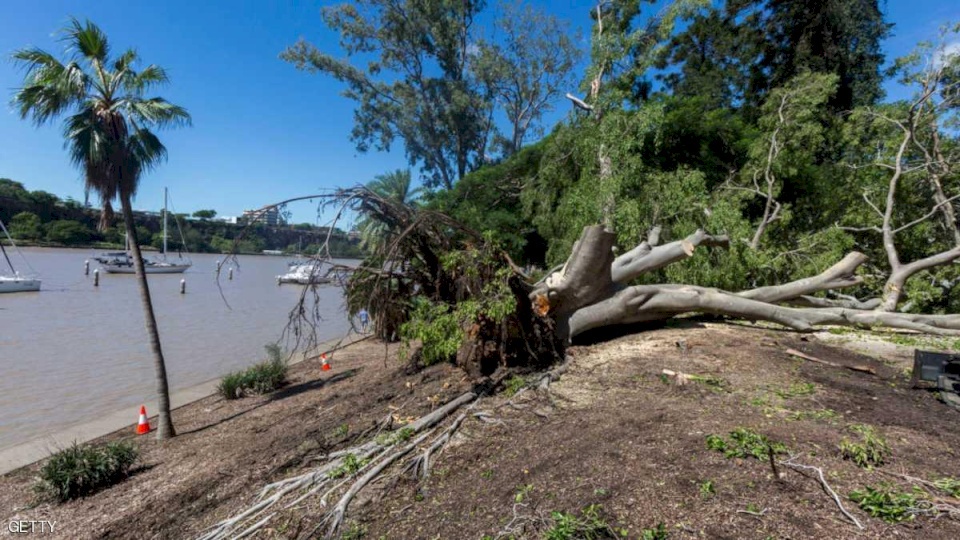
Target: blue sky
[[262, 131]]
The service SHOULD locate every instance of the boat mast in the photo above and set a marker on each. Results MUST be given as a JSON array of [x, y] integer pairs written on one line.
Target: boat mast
[[5, 256], [164, 222]]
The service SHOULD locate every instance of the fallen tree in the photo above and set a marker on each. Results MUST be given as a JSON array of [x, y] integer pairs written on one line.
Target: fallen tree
[[591, 291]]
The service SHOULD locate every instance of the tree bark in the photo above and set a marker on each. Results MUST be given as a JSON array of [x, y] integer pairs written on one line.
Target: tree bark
[[165, 428], [589, 293]]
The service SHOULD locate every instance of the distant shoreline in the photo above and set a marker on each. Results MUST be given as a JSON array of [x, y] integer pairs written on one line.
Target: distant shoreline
[[150, 249]]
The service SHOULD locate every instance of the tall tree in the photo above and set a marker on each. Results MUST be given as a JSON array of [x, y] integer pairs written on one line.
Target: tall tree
[[528, 64], [417, 88], [827, 36], [108, 131]]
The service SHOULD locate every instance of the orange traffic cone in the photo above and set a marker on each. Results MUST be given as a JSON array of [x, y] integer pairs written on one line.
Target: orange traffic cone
[[323, 359], [143, 426]]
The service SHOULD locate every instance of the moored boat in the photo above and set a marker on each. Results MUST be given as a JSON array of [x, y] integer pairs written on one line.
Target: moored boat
[[15, 282]]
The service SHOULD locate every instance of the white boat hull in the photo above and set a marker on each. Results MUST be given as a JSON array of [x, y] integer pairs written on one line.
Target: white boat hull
[[11, 285], [148, 268]]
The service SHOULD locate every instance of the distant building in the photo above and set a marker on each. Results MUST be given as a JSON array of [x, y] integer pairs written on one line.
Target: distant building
[[227, 219], [269, 217]]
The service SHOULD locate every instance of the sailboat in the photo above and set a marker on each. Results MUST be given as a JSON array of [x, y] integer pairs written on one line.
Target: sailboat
[[15, 282], [124, 264]]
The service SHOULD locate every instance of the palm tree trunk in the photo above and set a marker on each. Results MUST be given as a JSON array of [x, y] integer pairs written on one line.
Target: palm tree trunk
[[164, 423]]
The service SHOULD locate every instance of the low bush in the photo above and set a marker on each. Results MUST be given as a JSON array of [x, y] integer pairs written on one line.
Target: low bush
[[889, 504], [744, 443], [870, 451], [78, 471], [261, 378]]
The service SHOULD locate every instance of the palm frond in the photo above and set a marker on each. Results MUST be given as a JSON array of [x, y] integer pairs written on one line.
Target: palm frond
[[87, 39], [50, 87], [154, 112]]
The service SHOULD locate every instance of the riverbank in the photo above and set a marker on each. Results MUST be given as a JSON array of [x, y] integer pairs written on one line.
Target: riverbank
[[30, 452], [612, 432]]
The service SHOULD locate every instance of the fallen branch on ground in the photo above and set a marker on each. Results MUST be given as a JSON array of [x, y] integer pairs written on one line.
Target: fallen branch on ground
[[798, 354], [823, 482]]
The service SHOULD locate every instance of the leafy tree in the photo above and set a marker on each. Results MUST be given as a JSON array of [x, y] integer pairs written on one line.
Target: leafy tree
[[26, 225], [108, 136], [832, 36], [488, 200], [417, 87], [68, 232], [205, 214], [525, 68]]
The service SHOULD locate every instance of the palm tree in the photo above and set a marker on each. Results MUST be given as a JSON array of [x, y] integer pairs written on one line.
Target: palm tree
[[395, 186], [107, 131]]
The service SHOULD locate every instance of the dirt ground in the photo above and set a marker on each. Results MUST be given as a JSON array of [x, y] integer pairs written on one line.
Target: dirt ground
[[611, 432]]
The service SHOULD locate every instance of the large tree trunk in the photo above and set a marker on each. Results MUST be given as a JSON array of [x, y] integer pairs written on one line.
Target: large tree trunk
[[164, 423], [591, 291]]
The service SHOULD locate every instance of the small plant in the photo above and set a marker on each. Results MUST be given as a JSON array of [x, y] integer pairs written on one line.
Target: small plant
[[889, 504], [948, 485], [707, 489], [522, 492], [342, 430], [743, 443], [487, 474], [394, 437], [513, 385], [78, 471], [867, 453], [350, 466], [657, 533], [590, 525], [260, 378], [355, 531]]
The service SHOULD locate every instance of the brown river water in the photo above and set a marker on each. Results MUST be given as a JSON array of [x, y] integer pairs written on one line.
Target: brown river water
[[72, 351]]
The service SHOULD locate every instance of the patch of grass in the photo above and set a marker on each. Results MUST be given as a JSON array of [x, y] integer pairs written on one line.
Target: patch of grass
[[394, 437], [707, 489], [350, 466], [355, 531], [889, 504], [342, 430], [796, 390], [78, 471], [589, 525], [657, 533], [948, 485], [261, 378], [743, 442], [815, 414], [487, 474], [715, 383], [513, 385], [869, 451]]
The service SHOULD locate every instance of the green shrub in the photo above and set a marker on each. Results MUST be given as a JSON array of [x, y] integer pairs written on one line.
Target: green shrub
[[513, 385], [743, 443], [78, 471], [871, 449], [590, 525], [889, 504], [350, 466], [261, 378]]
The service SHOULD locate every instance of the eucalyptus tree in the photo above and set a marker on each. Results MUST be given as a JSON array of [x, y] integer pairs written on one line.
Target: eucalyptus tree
[[417, 85], [108, 132]]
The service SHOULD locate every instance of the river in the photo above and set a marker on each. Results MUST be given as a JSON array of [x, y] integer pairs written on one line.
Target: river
[[72, 351]]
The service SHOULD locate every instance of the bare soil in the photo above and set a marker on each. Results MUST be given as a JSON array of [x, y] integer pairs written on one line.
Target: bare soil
[[610, 432]]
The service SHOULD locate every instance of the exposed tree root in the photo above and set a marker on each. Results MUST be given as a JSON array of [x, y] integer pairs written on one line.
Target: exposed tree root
[[826, 487], [375, 456]]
